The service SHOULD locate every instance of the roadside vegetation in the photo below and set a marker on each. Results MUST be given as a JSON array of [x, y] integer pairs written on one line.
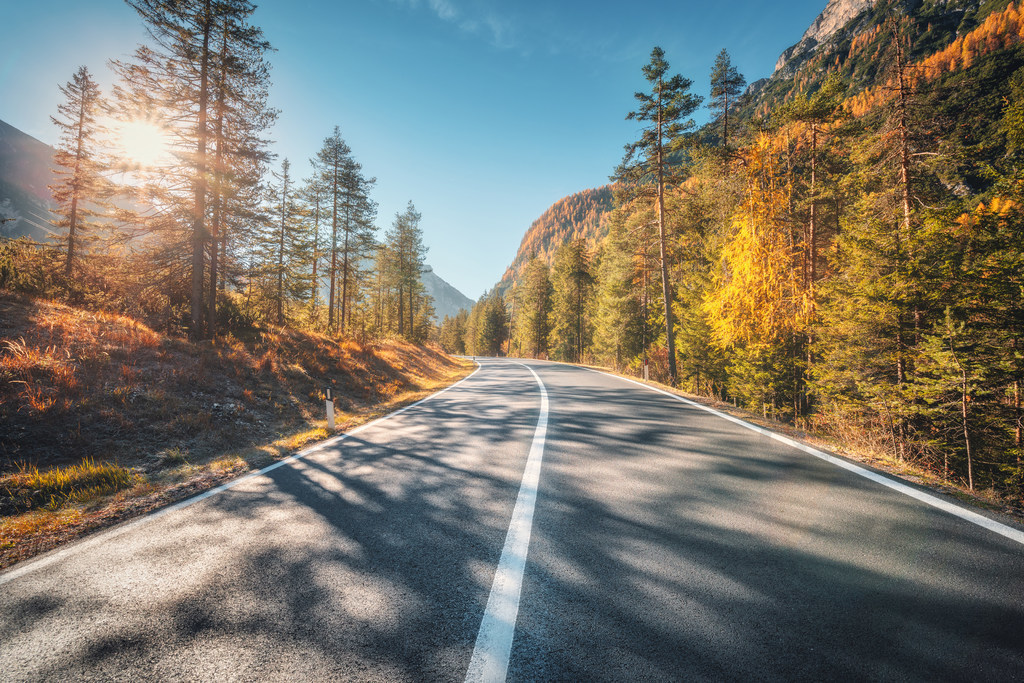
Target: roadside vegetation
[[841, 248], [105, 418]]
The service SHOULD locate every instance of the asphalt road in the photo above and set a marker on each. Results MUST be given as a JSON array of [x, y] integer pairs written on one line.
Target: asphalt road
[[665, 543]]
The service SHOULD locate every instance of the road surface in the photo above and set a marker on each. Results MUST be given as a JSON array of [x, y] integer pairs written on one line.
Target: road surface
[[664, 543]]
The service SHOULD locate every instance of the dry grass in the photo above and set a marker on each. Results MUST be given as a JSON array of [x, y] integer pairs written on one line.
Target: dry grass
[[30, 488], [178, 417]]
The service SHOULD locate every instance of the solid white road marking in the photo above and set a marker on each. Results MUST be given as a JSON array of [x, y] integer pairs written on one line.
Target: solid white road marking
[[498, 627], [102, 537], [936, 502]]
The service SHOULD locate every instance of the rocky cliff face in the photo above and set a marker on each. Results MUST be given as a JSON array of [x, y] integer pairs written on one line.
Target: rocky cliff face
[[836, 15]]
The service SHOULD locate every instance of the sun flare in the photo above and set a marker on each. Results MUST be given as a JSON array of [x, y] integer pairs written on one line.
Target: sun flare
[[144, 143]]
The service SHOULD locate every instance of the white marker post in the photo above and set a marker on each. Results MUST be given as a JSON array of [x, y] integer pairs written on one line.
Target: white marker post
[[330, 409]]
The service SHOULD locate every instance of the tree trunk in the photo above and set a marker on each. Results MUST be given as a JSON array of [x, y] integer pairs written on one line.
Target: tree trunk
[[344, 275], [316, 252], [280, 253], [72, 220], [401, 311], [76, 185], [725, 121], [199, 207], [967, 433], [1017, 417], [334, 248], [218, 195], [670, 341]]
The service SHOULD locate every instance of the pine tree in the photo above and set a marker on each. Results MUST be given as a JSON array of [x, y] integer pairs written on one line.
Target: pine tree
[[406, 255], [726, 85], [818, 114], [313, 195], [352, 214], [620, 323], [664, 112], [533, 306], [357, 228], [487, 325], [287, 245], [240, 115], [453, 333], [572, 285], [877, 303], [205, 52], [80, 186]]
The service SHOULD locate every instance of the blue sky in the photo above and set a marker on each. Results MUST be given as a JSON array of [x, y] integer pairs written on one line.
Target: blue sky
[[482, 112]]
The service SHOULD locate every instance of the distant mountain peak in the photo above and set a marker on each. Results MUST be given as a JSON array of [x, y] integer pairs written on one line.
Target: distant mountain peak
[[836, 15], [448, 301]]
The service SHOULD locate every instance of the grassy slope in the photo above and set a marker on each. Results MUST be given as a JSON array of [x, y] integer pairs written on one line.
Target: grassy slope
[[79, 386]]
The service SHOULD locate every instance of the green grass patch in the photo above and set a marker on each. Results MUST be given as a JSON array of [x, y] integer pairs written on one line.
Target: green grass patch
[[31, 489]]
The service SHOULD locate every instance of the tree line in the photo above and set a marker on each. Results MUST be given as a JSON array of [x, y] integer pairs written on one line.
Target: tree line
[[860, 275], [211, 233]]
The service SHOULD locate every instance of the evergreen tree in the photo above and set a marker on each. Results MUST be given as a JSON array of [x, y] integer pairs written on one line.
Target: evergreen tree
[[239, 118], [572, 285], [286, 249], [199, 46], [487, 325], [878, 301], [816, 116], [352, 215], [664, 112], [620, 323], [357, 240], [453, 333], [80, 186], [313, 196], [533, 308], [726, 85], [406, 255]]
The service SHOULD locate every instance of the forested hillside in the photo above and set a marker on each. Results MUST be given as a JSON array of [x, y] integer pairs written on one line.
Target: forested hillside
[[578, 216], [842, 247]]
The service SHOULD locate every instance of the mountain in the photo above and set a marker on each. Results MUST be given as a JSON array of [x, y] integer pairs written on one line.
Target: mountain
[[448, 301], [579, 216], [24, 178], [848, 38], [836, 15]]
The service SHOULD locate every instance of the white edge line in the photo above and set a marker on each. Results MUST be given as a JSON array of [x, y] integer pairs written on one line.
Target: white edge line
[[103, 536], [963, 513], [493, 646]]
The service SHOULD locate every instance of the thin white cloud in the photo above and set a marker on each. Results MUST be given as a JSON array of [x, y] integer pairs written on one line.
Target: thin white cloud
[[474, 17], [509, 26], [444, 9]]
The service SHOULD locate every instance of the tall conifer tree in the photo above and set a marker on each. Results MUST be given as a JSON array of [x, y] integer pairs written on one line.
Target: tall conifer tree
[[664, 111], [533, 305], [176, 81], [572, 286], [726, 85], [80, 185], [406, 255]]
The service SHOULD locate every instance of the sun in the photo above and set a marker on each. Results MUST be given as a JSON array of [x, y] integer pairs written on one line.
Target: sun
[[144, 142]]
